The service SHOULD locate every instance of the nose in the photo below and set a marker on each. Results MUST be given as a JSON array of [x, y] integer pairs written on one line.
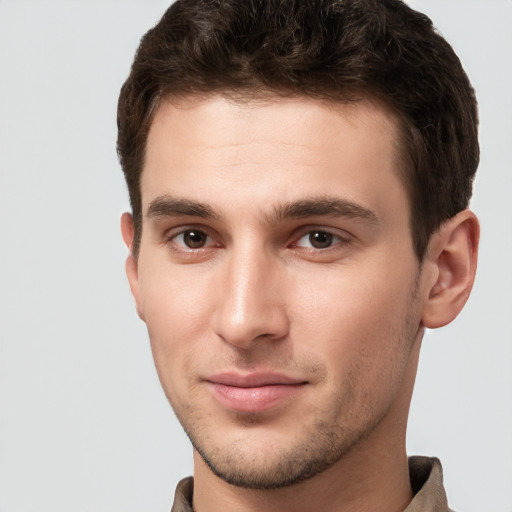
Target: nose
[[251, 303]]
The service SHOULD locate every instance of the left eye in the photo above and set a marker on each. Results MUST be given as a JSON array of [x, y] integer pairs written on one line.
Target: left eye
[[319, 239]]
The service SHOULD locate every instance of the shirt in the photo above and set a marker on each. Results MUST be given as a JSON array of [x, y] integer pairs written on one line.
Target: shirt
[[426, 476]]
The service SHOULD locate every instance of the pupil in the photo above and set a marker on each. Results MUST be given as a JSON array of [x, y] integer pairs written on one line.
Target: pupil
[[194, 239], [320, 239]]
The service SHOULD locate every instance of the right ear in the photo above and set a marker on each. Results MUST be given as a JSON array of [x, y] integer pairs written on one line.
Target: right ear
[[131, 266]]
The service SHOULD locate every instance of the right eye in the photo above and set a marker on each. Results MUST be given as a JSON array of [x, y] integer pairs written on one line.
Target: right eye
[[193, 239]]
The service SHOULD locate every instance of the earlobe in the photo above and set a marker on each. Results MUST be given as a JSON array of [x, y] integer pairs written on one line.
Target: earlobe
[[453, 252], [131, 266]]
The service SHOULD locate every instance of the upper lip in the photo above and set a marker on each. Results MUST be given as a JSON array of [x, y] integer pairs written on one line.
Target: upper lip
[[253, 380]]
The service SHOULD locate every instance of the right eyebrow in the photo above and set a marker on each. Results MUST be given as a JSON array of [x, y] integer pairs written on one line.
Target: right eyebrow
[[167, 206]]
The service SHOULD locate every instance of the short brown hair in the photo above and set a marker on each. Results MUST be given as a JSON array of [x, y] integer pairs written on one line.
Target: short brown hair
[[326, 49]]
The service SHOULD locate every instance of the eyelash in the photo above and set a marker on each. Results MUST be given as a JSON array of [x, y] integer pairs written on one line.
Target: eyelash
[[335, 240], [171, 238]]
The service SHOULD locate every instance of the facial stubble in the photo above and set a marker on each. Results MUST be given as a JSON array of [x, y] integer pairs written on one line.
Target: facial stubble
[[319, 445]]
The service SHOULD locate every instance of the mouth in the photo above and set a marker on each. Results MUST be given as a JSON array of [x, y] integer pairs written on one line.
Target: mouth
[[255, 392]]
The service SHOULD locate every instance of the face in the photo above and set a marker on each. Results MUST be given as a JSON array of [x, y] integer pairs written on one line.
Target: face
[[278, 281]]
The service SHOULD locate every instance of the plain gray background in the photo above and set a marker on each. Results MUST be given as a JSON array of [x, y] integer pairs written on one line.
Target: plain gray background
[[84, 425]]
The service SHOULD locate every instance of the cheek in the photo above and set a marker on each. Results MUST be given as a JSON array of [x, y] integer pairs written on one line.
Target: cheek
[[176, 310], [360, 321], [175, 299]]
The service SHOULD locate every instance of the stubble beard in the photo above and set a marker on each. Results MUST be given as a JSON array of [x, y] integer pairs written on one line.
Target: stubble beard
[[315, 452], [312, 450], [349, 420]]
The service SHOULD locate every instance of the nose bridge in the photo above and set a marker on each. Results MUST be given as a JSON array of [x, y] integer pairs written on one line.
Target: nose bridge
[[250, 305]]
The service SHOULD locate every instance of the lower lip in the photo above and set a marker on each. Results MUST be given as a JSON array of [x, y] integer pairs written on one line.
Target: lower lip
[[255, 399]]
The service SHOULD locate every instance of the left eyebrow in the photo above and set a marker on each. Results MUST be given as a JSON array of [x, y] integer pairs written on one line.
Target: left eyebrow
[[323, 206]]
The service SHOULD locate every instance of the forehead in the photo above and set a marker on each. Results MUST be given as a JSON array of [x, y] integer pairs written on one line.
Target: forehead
[[210, 147], [260, 112]]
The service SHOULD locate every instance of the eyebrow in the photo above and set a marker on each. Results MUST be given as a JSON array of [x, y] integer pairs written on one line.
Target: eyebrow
[[167, 206], [323, 206]]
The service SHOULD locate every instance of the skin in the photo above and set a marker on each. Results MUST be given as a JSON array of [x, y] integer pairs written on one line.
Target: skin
[[276, 245]]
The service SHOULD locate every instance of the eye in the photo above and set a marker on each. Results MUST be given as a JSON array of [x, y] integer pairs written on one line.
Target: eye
[[320, 239], [192, 239]]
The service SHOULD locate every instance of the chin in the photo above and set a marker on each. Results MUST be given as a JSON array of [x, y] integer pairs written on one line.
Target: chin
[[274, 465]]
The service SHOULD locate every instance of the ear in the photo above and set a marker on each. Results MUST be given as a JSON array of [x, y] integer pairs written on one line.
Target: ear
[[452, 255], [131, 266]]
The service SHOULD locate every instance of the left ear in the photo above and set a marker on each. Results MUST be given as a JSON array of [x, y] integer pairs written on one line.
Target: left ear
[[452, 254]]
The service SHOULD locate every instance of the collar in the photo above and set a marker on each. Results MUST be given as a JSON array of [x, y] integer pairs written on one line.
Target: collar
[[426, 476]]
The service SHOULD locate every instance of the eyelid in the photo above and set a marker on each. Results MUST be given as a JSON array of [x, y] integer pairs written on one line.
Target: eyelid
[[173, 233], [343, 236]]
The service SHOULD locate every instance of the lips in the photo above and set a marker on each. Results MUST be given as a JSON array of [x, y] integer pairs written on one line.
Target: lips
[[256, 392]]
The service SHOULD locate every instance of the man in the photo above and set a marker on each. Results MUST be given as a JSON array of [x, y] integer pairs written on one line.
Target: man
[[299, 174]]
